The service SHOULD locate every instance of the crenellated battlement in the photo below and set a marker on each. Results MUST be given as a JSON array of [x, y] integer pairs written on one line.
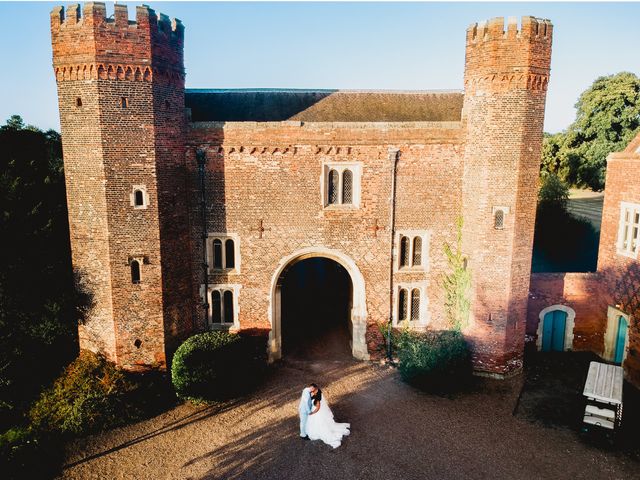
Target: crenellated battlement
[[89, 45], [95, 14], [531, 28]]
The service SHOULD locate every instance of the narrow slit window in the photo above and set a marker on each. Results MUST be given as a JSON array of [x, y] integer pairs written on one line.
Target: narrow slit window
[[124, 102], [333, 187], [498, 220], [229, 254], [404, 252], [415, 305], [417, 251], [78, 102], [402, 305], [228, 307], [217, 254], [347, 187], [216, 307], [135, 271], [138, 198]]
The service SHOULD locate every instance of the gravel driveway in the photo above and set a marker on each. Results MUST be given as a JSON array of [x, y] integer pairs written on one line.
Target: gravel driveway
[[397, 433]]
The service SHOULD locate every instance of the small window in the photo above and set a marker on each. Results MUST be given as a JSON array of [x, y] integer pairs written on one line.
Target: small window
[[217, 254], [138, 198], [228, 307], [417, 251], [124, 102], [229, 251], [166, 104], [216, 306], [498, 220], [135, 271], [78, 102], [333, 187], [402, 305], [415, 305], [404, 252], [347, 187]]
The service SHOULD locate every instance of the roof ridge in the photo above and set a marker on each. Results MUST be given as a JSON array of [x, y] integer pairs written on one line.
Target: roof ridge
[[318, 90]]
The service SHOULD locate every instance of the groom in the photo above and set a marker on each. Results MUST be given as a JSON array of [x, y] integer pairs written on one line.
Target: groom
[[305, 407]]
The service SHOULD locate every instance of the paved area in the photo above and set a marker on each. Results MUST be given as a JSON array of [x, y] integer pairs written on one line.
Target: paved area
[[397, 433]]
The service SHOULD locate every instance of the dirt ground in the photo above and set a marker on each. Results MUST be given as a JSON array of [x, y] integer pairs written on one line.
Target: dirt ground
[[397, 433]]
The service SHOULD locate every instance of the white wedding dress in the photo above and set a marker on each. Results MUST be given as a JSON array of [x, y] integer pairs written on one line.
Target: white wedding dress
[[321, 426]]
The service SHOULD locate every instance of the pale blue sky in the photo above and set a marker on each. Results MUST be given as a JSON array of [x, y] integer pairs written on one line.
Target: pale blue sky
[[333, 45]]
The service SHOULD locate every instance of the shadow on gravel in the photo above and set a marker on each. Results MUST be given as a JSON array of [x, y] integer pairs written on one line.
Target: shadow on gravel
[[552, 396]]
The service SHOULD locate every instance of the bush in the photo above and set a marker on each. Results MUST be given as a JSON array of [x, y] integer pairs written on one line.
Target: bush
[[553, 193], [435, 360], [25, 454], [92, 394], [215, 365]]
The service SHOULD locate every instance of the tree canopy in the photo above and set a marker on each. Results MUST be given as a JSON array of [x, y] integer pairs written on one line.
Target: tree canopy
[[38, 300], [607, 119]]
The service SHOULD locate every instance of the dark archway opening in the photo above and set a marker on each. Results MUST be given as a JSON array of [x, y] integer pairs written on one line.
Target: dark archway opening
[[316, 303]]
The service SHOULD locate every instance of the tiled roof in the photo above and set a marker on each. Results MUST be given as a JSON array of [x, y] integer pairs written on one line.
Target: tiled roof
[[264, 105]]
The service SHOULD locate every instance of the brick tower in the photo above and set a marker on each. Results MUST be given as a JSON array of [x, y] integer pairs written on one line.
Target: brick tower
[[121, 99], [506, 76]]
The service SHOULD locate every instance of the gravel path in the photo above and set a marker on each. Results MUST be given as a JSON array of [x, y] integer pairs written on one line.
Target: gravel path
[[397, 433]]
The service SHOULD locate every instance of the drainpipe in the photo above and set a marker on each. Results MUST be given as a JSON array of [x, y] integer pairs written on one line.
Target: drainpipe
[[201, 157], [394, 154]]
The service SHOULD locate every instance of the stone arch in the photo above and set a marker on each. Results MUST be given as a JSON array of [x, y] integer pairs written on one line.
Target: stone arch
[[568, 328], [358, 316]]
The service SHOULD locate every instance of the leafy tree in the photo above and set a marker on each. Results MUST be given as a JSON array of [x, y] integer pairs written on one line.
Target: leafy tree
[[607, 119], [553, 193], [38, 301]]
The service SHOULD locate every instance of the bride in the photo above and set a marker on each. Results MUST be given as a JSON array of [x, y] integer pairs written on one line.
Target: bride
[[320, 424]]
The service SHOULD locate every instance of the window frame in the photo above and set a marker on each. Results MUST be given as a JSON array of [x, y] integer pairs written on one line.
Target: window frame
[[356, 185], [423, 317], [633, 209], [223, 237], [234, 288], [425, 237], [505, 212], [145, 197]]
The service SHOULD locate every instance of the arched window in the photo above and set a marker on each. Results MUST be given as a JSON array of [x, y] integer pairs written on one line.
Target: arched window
[[229, 252], [78, 102], [228, 307], [135, 271], [417, 251], [124, 102], [216, 307], [138, 198], [415, 305], [347, 187], [402, 305], [404, 252], [498, 220], [333, 187], [217, 253]]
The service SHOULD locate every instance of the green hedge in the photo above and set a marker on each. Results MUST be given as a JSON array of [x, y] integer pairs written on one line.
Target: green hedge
[[216, 365], [92, 394], [434, 360]]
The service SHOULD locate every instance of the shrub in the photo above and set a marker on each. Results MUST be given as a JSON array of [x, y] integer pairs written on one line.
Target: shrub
[[553, 193], [90, 395], [25, 454], [434, 360], [214, 365]]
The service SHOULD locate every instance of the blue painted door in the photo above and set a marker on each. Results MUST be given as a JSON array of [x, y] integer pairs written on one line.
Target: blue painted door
[[559, 325], [621, 339], [553, 329]]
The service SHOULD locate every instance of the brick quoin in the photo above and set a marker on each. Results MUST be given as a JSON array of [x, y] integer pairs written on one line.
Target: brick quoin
[[455, 154]]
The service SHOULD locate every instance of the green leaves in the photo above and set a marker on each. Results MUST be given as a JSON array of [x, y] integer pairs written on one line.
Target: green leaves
[[607, 119], [456, 283]]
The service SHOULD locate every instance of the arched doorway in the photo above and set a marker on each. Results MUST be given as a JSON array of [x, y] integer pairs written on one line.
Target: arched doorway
[[555, 328], [315, 306], [349, 307]]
